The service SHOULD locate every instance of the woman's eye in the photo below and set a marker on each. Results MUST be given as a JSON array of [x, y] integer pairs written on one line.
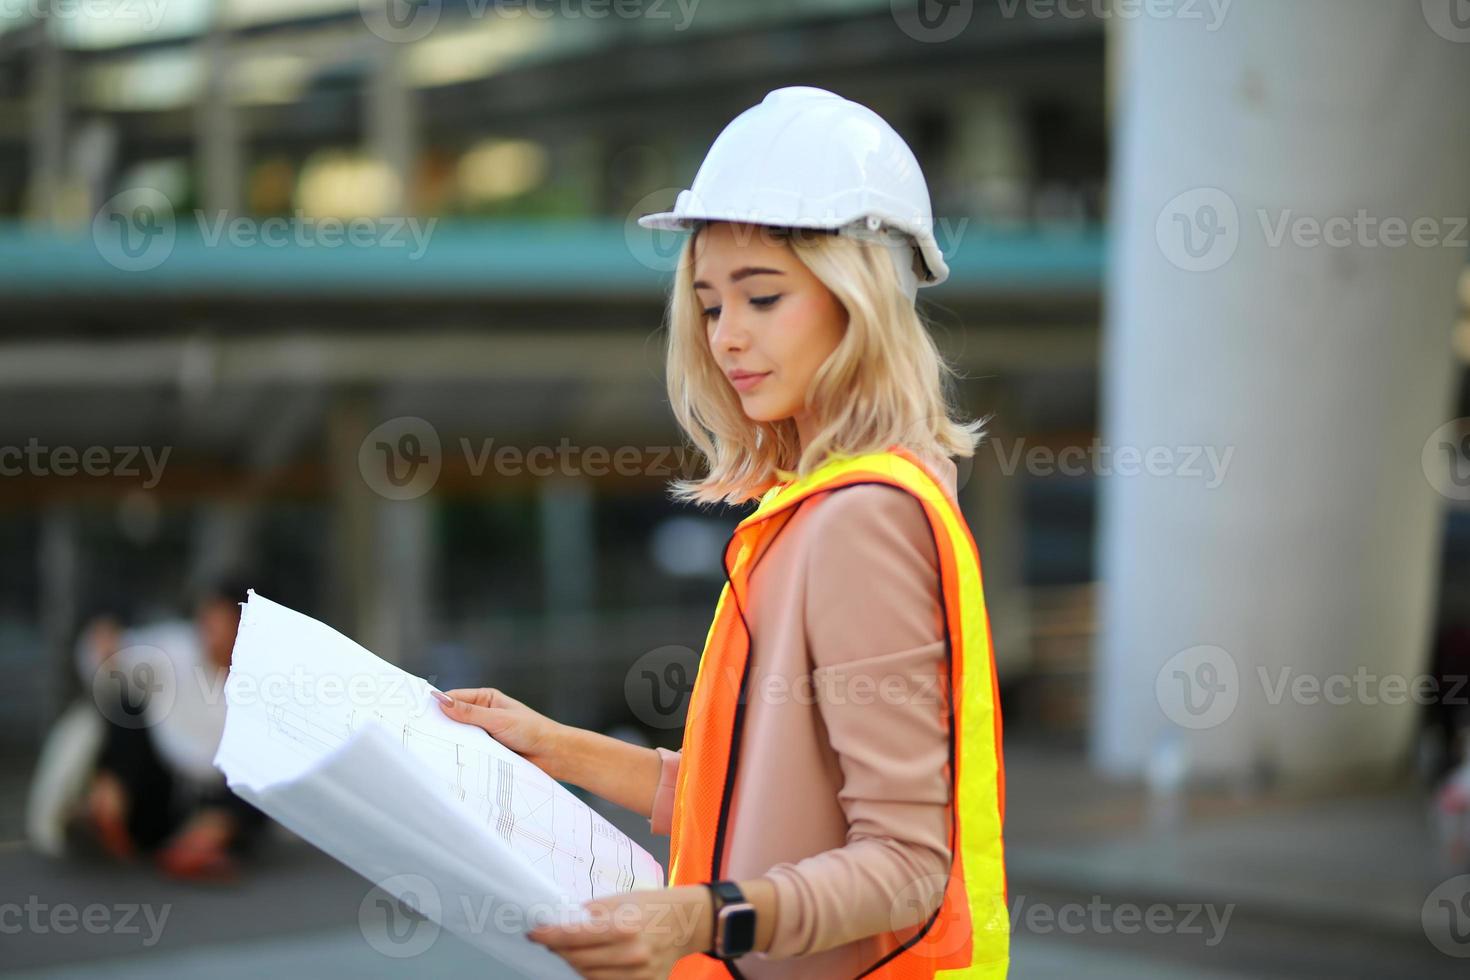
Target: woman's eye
[[763, 302]]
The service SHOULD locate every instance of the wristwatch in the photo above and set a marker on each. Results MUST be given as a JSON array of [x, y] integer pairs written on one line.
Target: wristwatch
[[734, 930]]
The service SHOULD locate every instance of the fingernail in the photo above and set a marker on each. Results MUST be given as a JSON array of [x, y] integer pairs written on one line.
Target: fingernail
[[442, 698]]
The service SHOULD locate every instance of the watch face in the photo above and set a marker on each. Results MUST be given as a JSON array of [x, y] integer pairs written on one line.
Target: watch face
[[737, 929]]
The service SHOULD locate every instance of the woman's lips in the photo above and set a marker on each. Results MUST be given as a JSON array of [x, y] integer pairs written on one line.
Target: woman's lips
[[748, 381]]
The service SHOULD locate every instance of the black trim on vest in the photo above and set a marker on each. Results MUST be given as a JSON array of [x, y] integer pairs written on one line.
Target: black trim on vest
[[727, 796], [954, 786]]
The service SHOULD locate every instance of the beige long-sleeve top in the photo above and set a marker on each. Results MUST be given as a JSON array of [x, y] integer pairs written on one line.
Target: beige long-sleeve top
[[842, 790]]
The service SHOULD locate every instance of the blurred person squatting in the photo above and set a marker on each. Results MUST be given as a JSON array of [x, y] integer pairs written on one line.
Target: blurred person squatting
[[834, 834], [129, 769]]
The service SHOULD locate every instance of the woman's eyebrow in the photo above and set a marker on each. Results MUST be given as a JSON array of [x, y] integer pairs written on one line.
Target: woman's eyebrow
[[745, 273]]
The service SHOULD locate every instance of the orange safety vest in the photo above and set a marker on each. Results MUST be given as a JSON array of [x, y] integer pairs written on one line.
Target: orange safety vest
[[969, 934]]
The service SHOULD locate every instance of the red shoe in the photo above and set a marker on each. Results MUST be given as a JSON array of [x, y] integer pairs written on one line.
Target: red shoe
[[197, 863]]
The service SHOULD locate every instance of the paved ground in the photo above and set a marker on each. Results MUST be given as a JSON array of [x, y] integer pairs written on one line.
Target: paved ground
[[1247, 888]]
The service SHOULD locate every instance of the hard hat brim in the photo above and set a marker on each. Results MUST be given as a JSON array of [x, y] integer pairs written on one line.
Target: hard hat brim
[[664, 221], [674, 221]]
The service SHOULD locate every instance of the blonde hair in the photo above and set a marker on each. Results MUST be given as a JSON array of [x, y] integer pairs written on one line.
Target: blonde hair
[[885, 383]]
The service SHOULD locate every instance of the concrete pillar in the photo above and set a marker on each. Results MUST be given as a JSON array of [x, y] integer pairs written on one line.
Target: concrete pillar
[[1322, 367], [217, 125], [391, 123], [569, 570], [47, 176], [58, 575], [403, 591], [991, 498], [354, 525], [990, 155], [224, 540], [382, 532]]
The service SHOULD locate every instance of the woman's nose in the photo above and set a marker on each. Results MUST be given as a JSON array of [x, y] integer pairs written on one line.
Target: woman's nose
[[729, 333]]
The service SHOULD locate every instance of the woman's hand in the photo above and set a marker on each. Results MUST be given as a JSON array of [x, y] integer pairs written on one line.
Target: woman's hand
[[634, 935], [615, 770], [528, 733]]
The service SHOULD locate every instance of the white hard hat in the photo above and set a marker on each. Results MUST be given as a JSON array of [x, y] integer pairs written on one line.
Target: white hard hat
[[808, 158]]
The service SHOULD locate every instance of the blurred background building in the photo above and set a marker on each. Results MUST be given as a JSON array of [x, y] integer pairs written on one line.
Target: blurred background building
[[520, 310], [351, 295]]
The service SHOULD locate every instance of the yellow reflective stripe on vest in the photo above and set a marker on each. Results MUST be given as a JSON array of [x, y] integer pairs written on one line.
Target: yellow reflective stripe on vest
[[979, 799], [979, 764]]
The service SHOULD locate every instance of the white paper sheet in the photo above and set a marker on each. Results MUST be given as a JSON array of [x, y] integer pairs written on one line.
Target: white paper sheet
[[354, 755]]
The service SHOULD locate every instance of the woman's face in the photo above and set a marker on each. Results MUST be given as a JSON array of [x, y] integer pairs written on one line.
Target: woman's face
[[767, 317]]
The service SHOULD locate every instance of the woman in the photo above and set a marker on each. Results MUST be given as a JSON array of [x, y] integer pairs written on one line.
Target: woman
[[836, 807]]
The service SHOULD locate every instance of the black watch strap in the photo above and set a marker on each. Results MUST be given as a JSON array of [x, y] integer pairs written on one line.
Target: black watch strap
[[734, 932], [725, 892]]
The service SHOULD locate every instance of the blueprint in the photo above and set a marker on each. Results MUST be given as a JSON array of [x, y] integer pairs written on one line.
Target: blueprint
[[353, 754]]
